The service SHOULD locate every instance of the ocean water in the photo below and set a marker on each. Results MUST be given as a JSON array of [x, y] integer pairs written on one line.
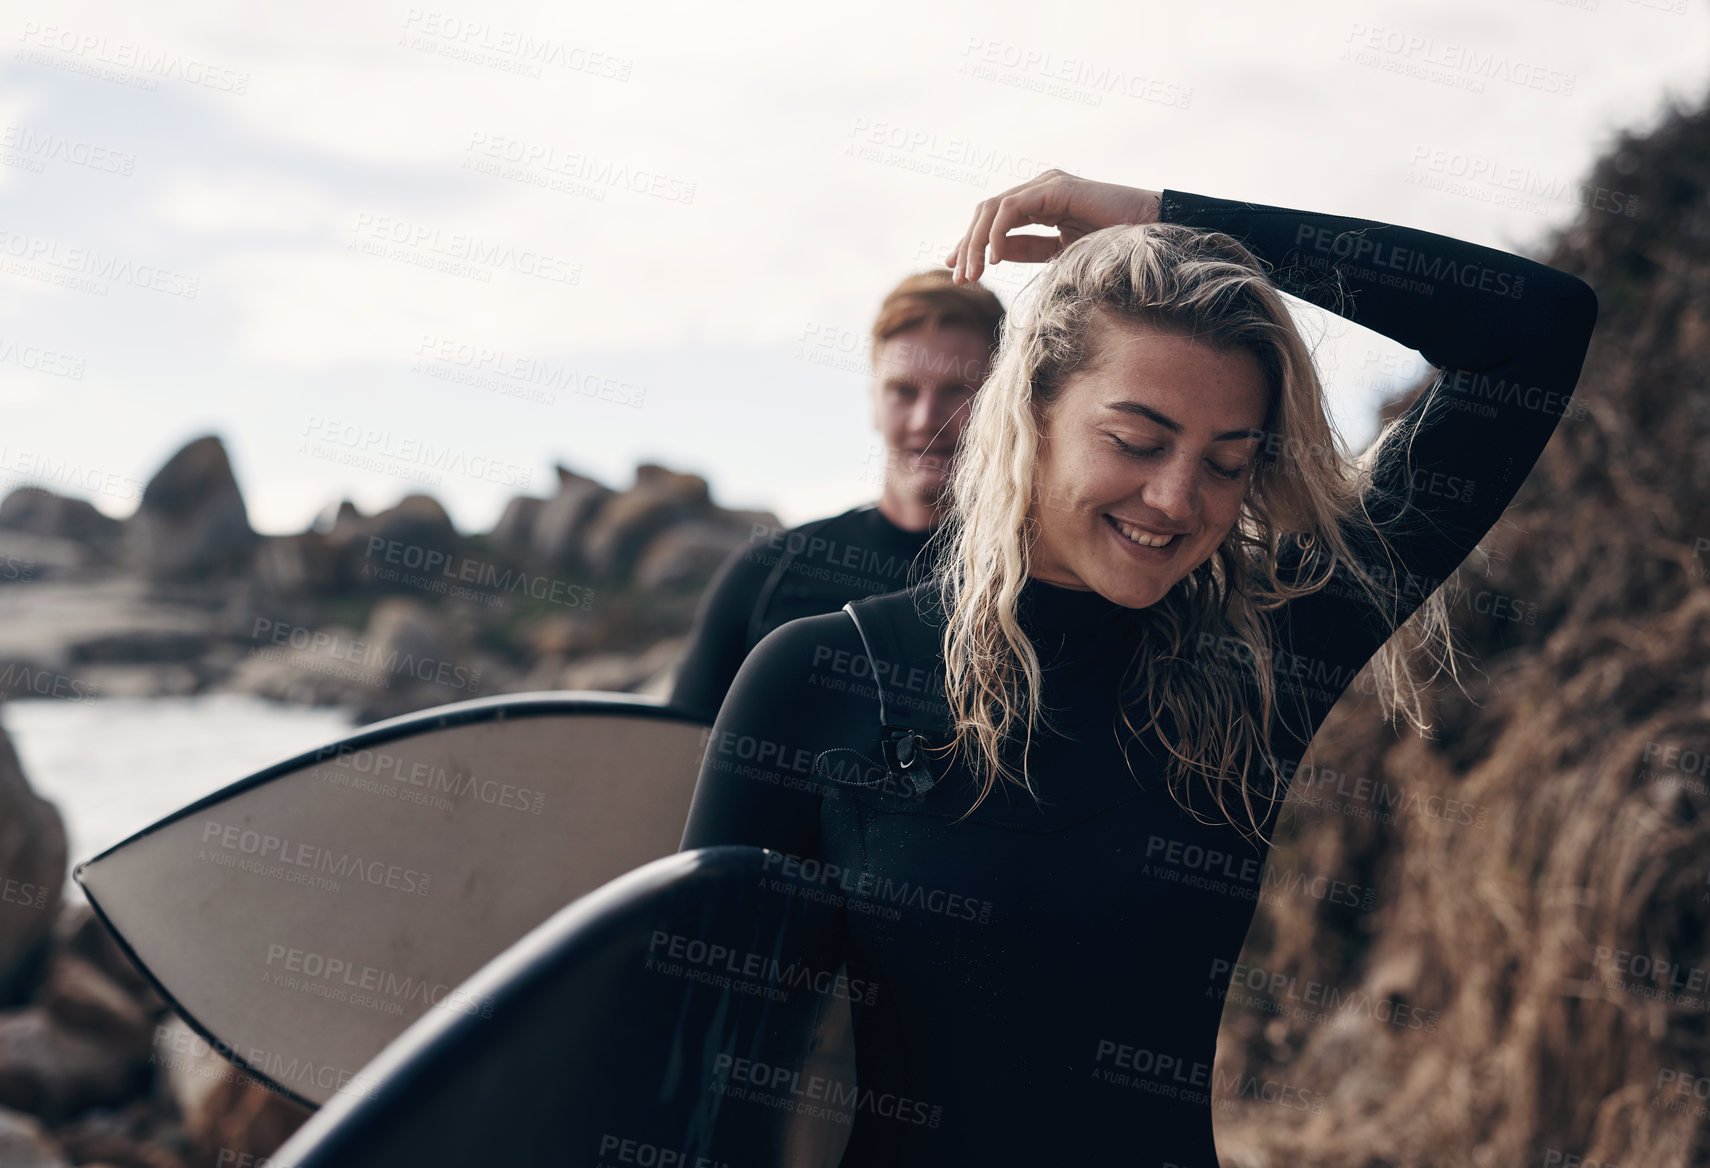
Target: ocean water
[[114, 766]]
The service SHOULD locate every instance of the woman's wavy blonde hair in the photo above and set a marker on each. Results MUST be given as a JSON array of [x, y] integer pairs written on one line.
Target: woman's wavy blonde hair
[[1209, 287]]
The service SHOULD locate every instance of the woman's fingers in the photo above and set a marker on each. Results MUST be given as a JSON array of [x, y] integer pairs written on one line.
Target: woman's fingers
[[1075, 206], [969, 258]]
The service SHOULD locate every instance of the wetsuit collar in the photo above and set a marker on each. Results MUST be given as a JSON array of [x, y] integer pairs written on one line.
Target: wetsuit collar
[[1050, 610]]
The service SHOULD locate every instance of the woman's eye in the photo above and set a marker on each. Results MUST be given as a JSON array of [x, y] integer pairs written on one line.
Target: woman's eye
[[1135, 451], [1221, 472]]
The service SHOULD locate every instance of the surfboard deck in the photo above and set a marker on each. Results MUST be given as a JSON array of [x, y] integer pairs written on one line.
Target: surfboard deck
[[304, 917], [677, 1016]]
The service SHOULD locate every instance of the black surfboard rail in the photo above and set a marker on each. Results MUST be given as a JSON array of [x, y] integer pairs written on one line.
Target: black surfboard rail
[[663, 1019]]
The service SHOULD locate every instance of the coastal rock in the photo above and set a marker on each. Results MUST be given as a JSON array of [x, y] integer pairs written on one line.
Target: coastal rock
[[32, 870], [41, 512], [54, 1070], [85, 999], [562, 522], [132, 1138], [515, 530], [191, 522], [27, 558], [628, 522], [303, 564], [687, 555], [414, 521], [24, 1143], [80, 933], [621, 672]]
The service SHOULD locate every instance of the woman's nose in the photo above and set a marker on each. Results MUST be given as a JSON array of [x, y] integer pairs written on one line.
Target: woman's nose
[[1173, 491]]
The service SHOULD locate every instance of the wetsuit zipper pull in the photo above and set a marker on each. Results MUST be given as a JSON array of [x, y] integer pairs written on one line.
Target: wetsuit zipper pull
[[905, 756]]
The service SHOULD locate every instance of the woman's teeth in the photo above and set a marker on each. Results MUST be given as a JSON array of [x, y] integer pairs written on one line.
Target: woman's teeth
[[1144, 538]]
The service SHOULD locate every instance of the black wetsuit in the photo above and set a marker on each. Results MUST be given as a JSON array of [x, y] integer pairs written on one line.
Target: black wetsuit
[[782, 575], [1051, 982]]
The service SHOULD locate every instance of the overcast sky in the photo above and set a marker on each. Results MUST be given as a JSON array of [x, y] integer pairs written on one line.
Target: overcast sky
[[381, 248]]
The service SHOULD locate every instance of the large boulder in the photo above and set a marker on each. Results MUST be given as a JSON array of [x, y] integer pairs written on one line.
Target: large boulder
[[685, 556], [628, 522], [55, 1069], [191, 523], [41, 512], [32, 871], [561, 525], [305, 564], [514, 532]]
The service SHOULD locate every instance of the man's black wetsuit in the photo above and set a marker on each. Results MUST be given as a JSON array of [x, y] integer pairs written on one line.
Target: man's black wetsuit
[[782, 575], [1050, 982]]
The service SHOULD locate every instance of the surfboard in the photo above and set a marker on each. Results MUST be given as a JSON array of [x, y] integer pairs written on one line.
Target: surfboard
[[307, 915], [678, 1016]]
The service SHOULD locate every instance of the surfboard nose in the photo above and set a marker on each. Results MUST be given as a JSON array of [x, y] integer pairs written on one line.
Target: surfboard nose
[[689, 1013]]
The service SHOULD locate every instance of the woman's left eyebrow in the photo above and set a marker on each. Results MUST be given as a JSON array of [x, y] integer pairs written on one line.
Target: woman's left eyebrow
[[1175, 427]]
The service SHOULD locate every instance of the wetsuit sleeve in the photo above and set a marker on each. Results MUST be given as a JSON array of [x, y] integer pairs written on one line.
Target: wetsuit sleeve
[[1510, 336], [757, 783], [720, 639]]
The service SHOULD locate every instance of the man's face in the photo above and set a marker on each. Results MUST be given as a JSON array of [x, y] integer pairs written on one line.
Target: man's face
[[923, 383]]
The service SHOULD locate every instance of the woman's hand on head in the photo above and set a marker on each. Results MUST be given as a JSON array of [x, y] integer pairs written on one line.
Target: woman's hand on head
[[1074, 206]]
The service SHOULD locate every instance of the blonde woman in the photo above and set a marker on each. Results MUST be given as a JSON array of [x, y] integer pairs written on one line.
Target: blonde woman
[[1041, 783]]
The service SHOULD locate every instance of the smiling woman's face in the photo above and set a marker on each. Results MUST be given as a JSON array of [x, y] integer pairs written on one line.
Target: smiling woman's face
[[1152, 442]]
